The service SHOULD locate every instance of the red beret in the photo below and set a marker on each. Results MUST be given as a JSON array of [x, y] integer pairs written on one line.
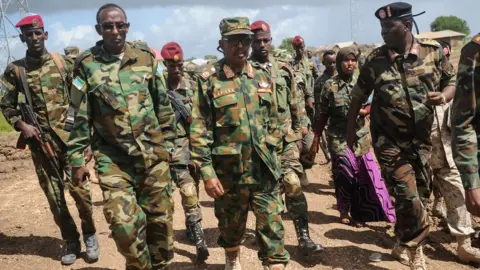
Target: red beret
[[34, 20], [260, 26], [172, 51], [297, 41]]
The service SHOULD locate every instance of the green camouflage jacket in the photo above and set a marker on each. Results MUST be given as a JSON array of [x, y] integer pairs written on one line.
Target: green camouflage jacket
[[335, 101], [234, 118], [317, 90], [305, 75], [399, 115], [465, 115], [125, 103], [285, 93], [48, 87]]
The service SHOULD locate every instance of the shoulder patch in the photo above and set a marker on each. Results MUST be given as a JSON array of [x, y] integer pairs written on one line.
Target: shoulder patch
[[78, 83], [208, 71], [429, 42]]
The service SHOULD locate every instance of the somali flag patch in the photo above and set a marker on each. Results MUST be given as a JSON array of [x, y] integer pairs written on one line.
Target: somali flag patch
[[78, 83]]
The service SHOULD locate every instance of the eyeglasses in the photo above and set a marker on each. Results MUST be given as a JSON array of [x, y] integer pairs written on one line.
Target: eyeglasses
[[235, 40], [121, 26]]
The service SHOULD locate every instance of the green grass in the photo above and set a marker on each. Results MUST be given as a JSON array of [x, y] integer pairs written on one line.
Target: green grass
[[4, 125]]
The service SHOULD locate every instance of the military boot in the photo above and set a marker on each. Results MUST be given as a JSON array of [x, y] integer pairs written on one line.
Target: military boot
[[199, 241], [306, 245], [274, 267], [232, 259], [71, 252], [92, 249], [417, 260], [467, 253], [400, 254], [438, 209]]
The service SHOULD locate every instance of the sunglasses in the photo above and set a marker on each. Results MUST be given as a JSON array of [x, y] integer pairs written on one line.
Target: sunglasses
[[121, 26], [235, 40]]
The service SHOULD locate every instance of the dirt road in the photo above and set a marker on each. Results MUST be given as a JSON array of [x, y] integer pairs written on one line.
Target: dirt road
[[29, 239]]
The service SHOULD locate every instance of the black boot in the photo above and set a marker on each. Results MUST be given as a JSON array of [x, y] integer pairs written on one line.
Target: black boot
[[306, 245], [199, 241]]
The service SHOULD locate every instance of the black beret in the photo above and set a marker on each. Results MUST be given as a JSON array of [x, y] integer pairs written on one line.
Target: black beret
[[397, 10]]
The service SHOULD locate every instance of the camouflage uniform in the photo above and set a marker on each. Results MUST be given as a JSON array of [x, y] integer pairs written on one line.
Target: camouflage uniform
[[401, 125], [49, 90], [317, 91], [72, 52], [235, 137], [124, 103], [465, 126]]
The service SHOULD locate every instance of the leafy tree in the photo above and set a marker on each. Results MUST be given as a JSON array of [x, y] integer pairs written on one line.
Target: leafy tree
[[287, 45], [450, 23], [210, 57]]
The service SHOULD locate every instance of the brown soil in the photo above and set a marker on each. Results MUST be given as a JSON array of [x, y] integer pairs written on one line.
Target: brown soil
[[29, 239]]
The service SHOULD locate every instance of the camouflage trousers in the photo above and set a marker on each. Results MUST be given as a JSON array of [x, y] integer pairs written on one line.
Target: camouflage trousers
[[307, 143], [410, 180], [265, 201], [187, 180], [449, 184], [53, 188], [139, 208], [292, 169]]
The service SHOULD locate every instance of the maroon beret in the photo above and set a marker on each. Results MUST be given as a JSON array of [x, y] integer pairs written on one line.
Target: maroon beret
[[297, 41], [260, 26], [172, 51], [34, 20]]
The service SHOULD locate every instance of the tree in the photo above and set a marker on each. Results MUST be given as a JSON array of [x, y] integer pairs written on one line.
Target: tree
[[287, 45], [450, 23], [210, 57]]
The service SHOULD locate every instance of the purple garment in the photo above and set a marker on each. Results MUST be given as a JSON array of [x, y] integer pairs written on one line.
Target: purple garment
[[360, 189]]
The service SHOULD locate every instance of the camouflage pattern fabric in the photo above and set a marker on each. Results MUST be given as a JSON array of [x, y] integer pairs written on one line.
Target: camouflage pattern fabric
[[235, 137], [465, 126], [317, 91], [72, 52], [126, 115], [335, 102], [181, 166], [49, 91], [308, 77], [401, 125]]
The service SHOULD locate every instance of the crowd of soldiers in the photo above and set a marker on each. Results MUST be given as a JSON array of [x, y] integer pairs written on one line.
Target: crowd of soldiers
[[248, 126]]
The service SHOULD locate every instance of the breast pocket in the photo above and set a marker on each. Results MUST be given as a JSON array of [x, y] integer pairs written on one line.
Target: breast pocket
[[227, 110], [227, 159], [338, 103], [108, 98], [265, 104]]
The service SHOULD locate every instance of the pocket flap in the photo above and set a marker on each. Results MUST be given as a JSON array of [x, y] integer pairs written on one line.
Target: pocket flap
[[108, 96], [265, 94], [222, 100], [225, 150], [272, 141]]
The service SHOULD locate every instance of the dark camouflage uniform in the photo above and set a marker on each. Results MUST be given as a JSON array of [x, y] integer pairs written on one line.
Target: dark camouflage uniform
[[49, 90], [401, 125], [465, 118], [124, 103], [235, 137], [184, 174]]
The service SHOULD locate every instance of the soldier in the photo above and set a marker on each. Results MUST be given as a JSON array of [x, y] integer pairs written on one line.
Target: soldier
[[234, 139], [72, 52], [408, 78], [126, 114], [314, 64], [465, 123], [45, 88], [304, 78], [180, 90], [283, 82]]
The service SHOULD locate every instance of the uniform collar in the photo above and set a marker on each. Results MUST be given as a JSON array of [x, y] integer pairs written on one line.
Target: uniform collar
[[37, 60], [128, 53], [342, 82], [412, 54], [248, 70], [181, 85]]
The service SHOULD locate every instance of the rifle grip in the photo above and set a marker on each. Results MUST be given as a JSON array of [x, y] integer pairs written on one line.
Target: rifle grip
[[21, 142]]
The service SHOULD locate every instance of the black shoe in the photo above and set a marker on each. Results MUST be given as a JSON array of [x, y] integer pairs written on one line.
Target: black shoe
[[305, 244], [199, 241], [71, 252], [189, 233]]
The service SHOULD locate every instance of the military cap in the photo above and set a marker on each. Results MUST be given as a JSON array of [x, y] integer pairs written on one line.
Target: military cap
[[297, 41], [260, 26], [31, 19], [235, 26], [172, 51], [72, 51], [395, 11]]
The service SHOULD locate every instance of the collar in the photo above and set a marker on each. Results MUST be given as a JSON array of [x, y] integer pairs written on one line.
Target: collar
[[412, 54], [29, 59], [128, 53], [181, 85], [342, 82], [248, 69]]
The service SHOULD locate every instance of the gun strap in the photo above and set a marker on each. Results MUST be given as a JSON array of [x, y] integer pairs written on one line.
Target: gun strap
[[26, 90]]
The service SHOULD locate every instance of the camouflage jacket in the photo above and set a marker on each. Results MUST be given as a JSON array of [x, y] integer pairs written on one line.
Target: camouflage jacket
[[48, 87], [305, 75], [284, 88], [335, 102], [399, 115], [465, 115], [317, 90], [234, 118], [125, 103]]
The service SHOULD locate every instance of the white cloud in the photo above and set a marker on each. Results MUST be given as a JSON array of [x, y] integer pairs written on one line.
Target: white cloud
[[79, 35]]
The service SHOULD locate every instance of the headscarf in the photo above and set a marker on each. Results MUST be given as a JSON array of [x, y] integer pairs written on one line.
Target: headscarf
[[341, 55]]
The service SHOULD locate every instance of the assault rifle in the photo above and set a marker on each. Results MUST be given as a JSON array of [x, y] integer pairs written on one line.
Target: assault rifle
[[181, 111]]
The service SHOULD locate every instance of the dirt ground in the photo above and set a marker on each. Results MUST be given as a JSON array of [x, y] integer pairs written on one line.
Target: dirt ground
[[29, 238]]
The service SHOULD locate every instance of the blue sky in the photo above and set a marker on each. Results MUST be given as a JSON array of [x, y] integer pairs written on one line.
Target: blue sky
[[195, 27]]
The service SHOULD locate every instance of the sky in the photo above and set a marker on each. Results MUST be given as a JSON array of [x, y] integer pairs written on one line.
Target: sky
[[194, 23]]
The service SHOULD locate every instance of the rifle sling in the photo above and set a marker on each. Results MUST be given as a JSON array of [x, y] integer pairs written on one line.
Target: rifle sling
[[26, 90]]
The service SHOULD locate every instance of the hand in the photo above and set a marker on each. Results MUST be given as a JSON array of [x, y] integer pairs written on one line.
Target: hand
[[88, 154], [214, 188], [78, 175], [310, 103], [299, 146], [472, 200], [304, 131], [435, 98], [29, 131], [315, 147]]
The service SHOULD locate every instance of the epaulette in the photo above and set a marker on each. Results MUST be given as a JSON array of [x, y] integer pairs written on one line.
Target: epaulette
[[476, 39], [286, 66], [208, 71], [377, 52], [142, 45], [83, 55], [429, 42]]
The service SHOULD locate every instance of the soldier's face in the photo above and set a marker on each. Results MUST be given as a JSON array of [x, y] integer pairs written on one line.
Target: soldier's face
[[300, 50], [394, 33], [236, 48], [113, 27], [349, 64], [261, 43], [174, 69], [330, 62], [34, 38]]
